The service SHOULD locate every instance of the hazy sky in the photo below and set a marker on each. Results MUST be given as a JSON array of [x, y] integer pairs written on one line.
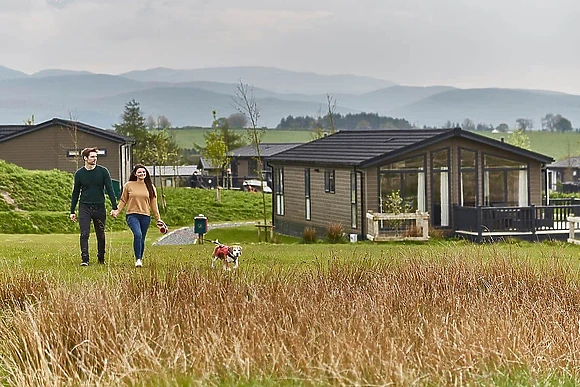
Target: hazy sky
[[464, 43]]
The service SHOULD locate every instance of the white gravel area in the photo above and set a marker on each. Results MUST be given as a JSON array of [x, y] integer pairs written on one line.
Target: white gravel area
[[187, 235]]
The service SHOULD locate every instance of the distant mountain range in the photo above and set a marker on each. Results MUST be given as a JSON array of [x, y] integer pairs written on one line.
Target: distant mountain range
[[188, 97]]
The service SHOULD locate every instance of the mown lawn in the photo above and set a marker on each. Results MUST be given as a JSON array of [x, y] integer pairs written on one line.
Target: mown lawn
[[439, 313]]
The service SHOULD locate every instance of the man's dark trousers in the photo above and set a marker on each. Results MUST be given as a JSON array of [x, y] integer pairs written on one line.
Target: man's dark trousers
[[98, 215]]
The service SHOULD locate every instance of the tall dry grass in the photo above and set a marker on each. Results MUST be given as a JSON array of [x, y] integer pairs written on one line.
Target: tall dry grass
[[434, 319]]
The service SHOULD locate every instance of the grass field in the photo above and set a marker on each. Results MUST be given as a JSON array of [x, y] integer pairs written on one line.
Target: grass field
[[556, 145], [441, 313], [186, 138]]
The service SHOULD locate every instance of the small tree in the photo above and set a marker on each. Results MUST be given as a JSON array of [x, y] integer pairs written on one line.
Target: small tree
[[394, 204], [519, 138]]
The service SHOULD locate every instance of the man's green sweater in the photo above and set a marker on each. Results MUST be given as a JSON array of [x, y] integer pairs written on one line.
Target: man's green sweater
[[90, 185]]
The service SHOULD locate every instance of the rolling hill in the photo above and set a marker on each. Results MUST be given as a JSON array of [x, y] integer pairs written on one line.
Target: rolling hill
[[188, 97]]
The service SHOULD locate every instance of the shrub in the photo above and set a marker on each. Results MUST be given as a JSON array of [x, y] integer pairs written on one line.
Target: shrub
[[436, 233], [309, 235], [335, 233]]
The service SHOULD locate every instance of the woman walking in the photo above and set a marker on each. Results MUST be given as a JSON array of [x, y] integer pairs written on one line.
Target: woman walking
[[139, 198]]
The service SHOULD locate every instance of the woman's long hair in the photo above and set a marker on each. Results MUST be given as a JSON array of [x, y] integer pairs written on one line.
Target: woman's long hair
[[147, 179]]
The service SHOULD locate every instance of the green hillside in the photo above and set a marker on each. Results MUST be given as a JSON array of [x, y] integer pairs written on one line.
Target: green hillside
[[187, 137], [37, 202], [557, 145]]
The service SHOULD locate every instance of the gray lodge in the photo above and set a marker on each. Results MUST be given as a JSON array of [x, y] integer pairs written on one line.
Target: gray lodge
[[469, 184]]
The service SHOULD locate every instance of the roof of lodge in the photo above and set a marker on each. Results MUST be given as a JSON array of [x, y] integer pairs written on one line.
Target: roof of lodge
[[266, 149], [365, 148], [8, 132]]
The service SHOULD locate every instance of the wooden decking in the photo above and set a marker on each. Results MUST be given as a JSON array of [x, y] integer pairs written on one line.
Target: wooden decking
[[530, 223]]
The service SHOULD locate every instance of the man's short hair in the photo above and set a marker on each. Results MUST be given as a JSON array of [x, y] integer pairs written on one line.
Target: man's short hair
[[86, 151]]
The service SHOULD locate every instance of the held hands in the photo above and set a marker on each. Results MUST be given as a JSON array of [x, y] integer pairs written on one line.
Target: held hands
[[114, 213], [73, 217]]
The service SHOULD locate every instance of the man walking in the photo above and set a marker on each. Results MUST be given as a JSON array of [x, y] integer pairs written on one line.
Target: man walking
[[90, 182]]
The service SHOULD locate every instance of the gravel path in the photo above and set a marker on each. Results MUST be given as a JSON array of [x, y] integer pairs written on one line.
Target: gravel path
[[187, 235]]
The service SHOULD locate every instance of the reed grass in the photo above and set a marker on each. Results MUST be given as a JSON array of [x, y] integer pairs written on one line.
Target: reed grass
[[449, 314]]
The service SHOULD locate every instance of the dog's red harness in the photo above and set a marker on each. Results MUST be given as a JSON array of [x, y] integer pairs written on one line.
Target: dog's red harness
[[223, 251]]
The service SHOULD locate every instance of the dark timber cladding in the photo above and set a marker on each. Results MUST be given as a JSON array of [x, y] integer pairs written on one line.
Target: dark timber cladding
[[354, 159]]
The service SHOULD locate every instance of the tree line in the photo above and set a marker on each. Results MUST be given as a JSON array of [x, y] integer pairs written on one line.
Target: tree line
[[338, 121], [550, 122]]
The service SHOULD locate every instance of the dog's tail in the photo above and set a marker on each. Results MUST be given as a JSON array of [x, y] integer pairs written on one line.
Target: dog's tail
[[216, 242]]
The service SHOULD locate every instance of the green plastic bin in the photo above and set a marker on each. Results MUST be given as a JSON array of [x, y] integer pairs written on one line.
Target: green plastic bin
[[200, 224]]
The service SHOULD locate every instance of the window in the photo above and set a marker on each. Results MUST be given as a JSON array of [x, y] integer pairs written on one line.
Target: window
[[76, 153], [505, 182], [407, 177], [440, 188], [467, 178], [280, 191], [353, 201], [253, 167], [329, 176], [307, 205]]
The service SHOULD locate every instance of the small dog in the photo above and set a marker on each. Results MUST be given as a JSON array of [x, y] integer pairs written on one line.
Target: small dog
[[228, 254]]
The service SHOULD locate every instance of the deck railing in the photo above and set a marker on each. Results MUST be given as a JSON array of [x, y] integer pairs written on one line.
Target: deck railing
[[514, 220], [391, 227]]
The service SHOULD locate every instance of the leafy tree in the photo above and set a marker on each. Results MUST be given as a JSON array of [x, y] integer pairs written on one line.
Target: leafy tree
[[519, 138], [216, 151], [237, 120], [232, 139], [548, 122], [468, 124], [562, 124], [524, 124], [150, 148], [159, 123]]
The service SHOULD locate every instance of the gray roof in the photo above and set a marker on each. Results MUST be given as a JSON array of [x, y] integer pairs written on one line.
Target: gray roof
[[8, 132], [206, 163], [570, 162], [369, 147], [266, 149], [172, 170]]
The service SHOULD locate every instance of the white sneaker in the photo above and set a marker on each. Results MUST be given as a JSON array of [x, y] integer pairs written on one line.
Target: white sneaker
[[138, 263]]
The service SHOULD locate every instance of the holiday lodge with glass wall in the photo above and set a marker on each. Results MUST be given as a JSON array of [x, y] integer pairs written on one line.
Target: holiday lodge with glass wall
[[341, 177]]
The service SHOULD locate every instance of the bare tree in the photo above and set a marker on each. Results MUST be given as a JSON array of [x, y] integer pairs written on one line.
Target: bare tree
[[331, 104], [245, 103], [319, 129], [73, 131]]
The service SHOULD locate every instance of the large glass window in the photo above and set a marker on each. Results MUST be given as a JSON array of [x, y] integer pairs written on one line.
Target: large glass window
[[408, 178], [505, 182], [280, 191], [440, 188], [467, 178]]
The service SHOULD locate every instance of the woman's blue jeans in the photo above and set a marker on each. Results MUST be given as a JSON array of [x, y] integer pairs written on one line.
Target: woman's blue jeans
[[139, 224]]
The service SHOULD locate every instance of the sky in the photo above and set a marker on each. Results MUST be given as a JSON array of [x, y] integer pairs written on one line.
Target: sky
[[531, 44]]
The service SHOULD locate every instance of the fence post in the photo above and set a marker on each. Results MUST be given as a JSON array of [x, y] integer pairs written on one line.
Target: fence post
[[533, 221], [479, 225]]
